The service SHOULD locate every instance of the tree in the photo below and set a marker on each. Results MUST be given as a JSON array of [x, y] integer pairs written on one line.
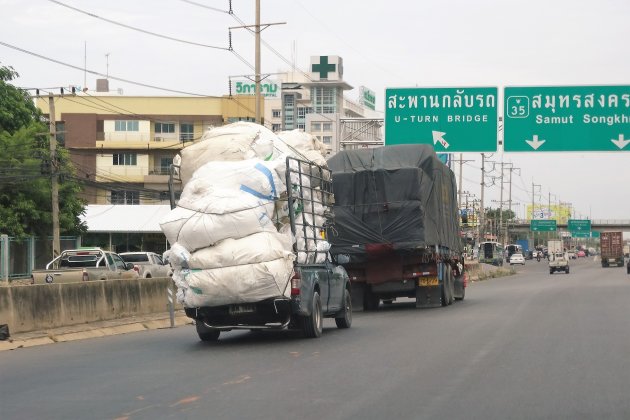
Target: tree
[[26, 170]]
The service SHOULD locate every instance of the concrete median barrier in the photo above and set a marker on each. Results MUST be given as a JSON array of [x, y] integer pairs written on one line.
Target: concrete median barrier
[[39, 307]]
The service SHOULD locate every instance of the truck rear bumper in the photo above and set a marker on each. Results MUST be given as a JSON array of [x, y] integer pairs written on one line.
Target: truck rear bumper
[[268, 314]]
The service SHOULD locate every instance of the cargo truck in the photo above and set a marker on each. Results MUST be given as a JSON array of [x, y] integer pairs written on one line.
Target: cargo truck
[[248, 239], [611, 244], [396, 218]]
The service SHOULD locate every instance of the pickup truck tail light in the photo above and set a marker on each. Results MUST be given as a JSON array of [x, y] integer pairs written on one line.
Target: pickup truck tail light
[[85, 276], [296, 281], [136, 268]]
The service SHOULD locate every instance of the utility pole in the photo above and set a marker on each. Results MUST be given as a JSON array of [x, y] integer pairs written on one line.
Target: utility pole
[[511, 169], [534, 205], [257, 78], [501, 205], [481, 209], [461, 162], [54, 177]]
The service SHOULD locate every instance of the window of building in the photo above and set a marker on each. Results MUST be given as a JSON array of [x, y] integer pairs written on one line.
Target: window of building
[[275, 113], [130, 159], [301, 126], [288, 118], [276, 127], [124, 125], [165, 164], [164, 127], [327, 126], [125, 197], [316, 126], [186, 132], [327, 140], [324, 99]]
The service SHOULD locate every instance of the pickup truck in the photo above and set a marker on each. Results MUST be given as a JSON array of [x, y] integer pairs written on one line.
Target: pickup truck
[[558, 261], [148, 264], [85, 264]]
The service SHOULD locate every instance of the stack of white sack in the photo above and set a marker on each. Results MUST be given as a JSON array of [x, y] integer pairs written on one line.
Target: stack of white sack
[[241, 270], [230, 233]]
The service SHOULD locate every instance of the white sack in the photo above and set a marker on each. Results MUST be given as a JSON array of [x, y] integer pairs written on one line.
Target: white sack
[[250, 175], [239, 284], [195, 230], [237, 141], [256, 248]]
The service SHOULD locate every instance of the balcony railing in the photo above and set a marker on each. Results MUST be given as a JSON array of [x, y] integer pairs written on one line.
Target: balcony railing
[[159, 170]]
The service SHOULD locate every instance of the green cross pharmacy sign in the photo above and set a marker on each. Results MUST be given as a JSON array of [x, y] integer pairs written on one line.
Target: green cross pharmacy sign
[[567, 118], [323, 67], [450, 119]]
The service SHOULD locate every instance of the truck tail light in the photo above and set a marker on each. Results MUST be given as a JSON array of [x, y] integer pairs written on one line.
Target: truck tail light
[[465, 279], [85, 276], [296, 281], [136, 268]]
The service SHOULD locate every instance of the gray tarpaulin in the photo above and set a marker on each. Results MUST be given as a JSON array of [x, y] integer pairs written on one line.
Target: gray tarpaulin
[[402, 196]]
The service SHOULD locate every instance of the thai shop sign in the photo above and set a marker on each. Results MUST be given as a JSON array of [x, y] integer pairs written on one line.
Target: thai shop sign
[[567, 118], [367, 97], [269, 89], [450, 119]]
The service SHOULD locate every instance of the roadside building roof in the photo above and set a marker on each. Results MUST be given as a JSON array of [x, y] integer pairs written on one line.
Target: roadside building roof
[[125, 218]]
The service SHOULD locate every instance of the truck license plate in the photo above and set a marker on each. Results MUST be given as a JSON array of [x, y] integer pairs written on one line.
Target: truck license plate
[[242, 309], [428, 281]]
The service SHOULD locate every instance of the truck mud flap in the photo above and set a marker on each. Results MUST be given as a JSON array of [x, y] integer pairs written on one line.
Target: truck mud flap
[[357, 293], [428, 297]]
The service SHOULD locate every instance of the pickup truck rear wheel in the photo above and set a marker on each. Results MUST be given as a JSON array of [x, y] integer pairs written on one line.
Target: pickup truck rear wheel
[[206, 333], [345, 318], [567, 270], [312, 324]]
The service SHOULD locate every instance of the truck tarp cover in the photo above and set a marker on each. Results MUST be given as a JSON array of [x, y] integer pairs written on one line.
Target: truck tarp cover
[[402, 196]]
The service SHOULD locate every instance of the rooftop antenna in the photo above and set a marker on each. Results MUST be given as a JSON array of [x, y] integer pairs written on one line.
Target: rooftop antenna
[[107, 64], [84, 64]]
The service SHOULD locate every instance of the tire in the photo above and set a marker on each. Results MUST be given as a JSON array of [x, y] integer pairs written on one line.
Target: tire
[[312, 324], [345, 320], [206, 333], [370, 300], [550, 271], [567, 270], [463, 294]]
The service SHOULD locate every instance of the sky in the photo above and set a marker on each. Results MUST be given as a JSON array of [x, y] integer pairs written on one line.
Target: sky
[[183, 48]]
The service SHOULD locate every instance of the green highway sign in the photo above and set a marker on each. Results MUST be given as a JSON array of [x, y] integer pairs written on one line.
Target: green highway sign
[[543, 225], [581, 234], [594, 234], [577, 225], [451, 119], [566, 118]]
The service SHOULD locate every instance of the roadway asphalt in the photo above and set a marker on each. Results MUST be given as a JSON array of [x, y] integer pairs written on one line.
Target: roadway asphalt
[[152, 321]]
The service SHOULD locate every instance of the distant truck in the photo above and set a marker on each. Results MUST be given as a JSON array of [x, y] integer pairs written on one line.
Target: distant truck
[[527, 253], [611, 244], [148, 264], [558, 261], [396, 218], [554, 247], [84, 264]]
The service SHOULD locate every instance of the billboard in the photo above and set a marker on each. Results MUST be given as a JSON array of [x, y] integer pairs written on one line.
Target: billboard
[[558, 212]]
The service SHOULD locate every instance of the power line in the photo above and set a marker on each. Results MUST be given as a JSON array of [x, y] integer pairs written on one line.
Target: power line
[[101, 74], [113, 22], [206, 7]]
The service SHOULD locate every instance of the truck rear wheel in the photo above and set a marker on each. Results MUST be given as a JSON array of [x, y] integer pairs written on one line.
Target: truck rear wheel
[[206, 333], [312, 324], [345, 318], [370, 300]]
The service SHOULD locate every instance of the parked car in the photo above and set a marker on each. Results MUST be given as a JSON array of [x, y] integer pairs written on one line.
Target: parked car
[[517, 258], [148, 264]]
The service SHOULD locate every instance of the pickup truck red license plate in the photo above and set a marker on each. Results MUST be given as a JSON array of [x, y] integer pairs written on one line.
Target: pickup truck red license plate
[[242, 309], [428, 281]]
